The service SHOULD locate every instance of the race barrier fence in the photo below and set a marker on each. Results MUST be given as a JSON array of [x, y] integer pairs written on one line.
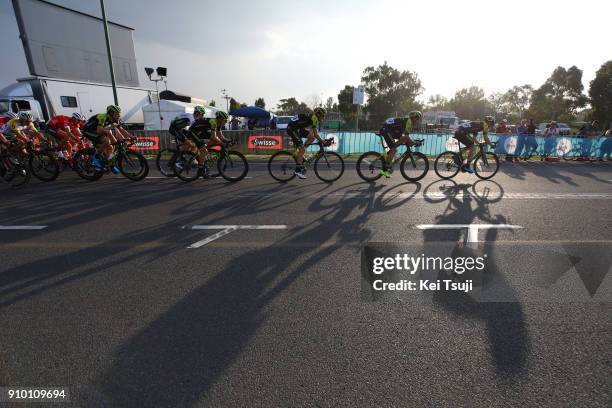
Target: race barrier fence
[[345, 143]]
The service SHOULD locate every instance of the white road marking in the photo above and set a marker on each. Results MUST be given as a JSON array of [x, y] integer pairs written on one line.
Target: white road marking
[[472, 229], [227, 229], [22, 227]]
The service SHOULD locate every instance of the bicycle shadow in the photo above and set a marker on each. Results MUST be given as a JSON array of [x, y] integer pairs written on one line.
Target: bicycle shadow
[[189, 347], [505, 321]]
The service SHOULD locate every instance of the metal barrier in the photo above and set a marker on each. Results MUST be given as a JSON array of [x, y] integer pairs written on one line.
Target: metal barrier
[[266, 142]]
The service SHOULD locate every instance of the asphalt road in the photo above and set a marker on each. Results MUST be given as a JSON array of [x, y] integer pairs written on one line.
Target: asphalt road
[[108, 299]]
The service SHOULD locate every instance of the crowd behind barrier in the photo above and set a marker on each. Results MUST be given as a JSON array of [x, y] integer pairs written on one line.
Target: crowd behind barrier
[[267, 142]]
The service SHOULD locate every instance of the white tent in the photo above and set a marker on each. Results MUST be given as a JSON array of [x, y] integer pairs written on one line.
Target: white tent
[[168, 110]]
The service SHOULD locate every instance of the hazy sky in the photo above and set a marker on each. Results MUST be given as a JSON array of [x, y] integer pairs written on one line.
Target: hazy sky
[[277, 49]]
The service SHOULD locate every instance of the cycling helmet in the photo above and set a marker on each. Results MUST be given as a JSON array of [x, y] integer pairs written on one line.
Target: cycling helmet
[[221, 115], [10, 115], [25, 115], [199, 109], [415, 115], [113, 109], [320, 111], [77, 117]]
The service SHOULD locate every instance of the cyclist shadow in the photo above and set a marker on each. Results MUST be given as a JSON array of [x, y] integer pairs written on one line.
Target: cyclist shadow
[[504, 319], [178, 357]]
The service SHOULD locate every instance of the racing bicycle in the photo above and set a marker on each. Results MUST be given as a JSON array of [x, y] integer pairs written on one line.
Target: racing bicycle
[[449, 163], [13, 169], [413, 165], [328, 166], [131, 164], [229, 164]]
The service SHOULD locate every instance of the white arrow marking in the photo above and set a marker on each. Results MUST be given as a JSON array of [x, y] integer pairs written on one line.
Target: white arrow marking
[[472, 229], [22, 227], [228, 229]]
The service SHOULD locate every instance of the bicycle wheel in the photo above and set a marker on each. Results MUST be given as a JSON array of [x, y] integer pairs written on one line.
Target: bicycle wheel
[[486, 165], [133, 165], [447, 165], [17, 174], [369, 166], [414, 166], [165, 163], [187, 166], [44, 166], [329, 167], [83, 165], [233, 166], [281, 166]]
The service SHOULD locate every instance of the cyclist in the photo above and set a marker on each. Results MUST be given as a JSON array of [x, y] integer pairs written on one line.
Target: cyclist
[[396, 132], [467, 134], [297, 129], [66, 130], [22, 130], [4, 119], [207, 131], [179, 129], [103, 130]]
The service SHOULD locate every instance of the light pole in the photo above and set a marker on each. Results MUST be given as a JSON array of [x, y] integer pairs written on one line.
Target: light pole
[[108, 50], [162, 73], [227, 98]]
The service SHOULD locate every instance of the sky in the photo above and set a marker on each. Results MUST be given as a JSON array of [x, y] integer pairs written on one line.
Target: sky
[[311, 49]]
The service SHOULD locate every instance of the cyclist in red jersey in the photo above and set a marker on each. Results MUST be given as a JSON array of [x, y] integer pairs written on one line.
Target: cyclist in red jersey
[[66, 131]]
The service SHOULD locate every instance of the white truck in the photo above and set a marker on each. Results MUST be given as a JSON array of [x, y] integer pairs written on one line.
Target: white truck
[[47, 97]]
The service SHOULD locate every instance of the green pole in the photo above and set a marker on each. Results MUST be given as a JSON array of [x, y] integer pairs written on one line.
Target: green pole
[[108, 49]]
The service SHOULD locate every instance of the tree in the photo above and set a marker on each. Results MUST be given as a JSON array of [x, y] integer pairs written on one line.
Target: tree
[[212, 103], [330, 105], [291, 106], [260, 103], [517, 100], [390, 92], [497, 105], [345, 104], [600, 91], [234, 104], [469, 103], [560, 96], [314, 100], [437, 103]]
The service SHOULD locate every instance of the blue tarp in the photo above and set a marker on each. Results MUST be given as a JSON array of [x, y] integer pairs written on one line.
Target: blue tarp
[[251, 112]]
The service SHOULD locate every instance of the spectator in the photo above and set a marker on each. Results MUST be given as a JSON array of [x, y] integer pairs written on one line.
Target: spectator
[[521, 131], [606, 146], [502, 127], [234, 123], [588, 132], [530, 140], [550, 135]]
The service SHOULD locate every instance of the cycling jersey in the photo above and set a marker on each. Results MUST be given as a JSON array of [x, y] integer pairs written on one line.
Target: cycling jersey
[[302, 121], [15, 125], [61, 122], [397, 125], [203, 127], [103, 120], [473, 127]]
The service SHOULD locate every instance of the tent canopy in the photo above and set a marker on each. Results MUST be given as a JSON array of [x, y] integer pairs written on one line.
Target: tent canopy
[[251, 112]]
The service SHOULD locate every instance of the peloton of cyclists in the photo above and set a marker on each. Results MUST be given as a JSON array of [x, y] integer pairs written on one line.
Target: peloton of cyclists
[[66, 132]]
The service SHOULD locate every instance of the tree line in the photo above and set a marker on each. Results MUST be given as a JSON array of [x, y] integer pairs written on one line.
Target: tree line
[[393, 92]]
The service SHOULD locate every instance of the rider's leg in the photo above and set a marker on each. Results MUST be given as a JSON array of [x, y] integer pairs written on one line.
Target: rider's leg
[[203, 156]]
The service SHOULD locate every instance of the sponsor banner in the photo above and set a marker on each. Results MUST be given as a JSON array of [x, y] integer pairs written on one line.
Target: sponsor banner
[[146, 143], [265, 142]]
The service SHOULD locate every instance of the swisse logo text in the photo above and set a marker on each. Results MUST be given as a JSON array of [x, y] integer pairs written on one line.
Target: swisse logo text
[[265, 142], [144, 143]]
